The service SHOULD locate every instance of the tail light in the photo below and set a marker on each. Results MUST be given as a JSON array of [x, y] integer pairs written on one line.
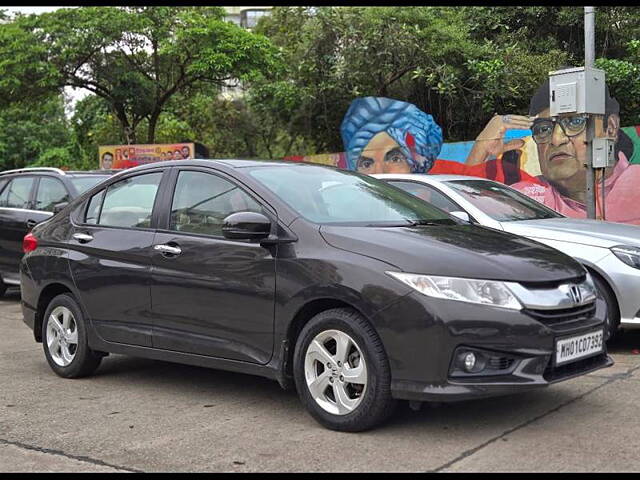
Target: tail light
[[29, 243]]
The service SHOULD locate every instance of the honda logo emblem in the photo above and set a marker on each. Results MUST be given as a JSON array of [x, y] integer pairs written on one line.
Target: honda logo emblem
[[575, 294]]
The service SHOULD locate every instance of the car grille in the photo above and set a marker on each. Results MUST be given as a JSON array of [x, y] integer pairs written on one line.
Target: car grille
[[552, 373], [557, 317]]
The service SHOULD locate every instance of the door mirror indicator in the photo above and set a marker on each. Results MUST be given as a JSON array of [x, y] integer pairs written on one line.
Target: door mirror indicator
[[246, 226], [461, 215]]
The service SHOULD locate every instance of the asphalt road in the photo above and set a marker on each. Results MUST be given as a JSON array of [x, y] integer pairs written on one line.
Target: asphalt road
[[145, 415]]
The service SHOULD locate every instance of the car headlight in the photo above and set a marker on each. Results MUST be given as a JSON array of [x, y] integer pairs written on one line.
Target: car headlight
[[629, 255], [485, 292]]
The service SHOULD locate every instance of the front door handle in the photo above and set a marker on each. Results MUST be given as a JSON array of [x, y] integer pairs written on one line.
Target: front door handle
[[82, 237], [31, 223], [168, 250]]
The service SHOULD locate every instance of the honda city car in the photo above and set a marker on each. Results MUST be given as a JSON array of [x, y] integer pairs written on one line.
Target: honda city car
[[351, 289], [610, 251]]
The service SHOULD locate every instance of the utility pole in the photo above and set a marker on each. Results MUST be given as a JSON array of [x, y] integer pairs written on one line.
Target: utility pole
[[589, 59]]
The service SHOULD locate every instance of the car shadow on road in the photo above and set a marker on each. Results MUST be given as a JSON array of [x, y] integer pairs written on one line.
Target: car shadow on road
[[216, 386], [626, 342], [11, 295]]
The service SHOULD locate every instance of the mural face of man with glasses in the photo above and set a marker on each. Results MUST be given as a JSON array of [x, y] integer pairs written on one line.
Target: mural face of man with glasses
[[561, 152]]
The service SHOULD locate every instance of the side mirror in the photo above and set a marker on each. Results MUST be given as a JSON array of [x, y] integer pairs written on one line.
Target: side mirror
[[461, 215], [59, 207], [246, 226]]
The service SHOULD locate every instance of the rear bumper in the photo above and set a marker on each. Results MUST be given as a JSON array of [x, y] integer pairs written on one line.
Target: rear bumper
[[521, 380]]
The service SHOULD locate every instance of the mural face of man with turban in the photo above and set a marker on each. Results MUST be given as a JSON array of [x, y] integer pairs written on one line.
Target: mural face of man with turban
[[382, 135]]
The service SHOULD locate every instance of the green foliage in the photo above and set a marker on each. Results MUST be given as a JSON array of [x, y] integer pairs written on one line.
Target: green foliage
[[461, 65], [28, 130], [158, 73], [136, 59]]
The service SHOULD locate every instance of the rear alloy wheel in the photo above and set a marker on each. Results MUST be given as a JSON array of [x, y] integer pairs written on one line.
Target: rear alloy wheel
[[65, 339], [341, 371]]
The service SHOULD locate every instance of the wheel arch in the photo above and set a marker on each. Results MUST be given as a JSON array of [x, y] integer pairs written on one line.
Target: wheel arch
[[303, 315], [606, 282]]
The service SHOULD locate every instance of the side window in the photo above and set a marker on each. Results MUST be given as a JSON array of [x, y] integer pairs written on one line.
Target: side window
[[50, 192], [202, 201], [429, 195], [4, 193], [93, 208], [129, 202], [16, 194]]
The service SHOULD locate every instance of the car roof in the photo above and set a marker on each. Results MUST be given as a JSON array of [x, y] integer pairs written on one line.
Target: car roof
[[225, 162], [437, 177]]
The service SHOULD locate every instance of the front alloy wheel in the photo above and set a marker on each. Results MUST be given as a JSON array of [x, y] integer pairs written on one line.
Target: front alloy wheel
[[342, 372], [336, 372]]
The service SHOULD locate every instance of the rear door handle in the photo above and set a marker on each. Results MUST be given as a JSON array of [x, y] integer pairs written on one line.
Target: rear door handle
[[168, 250], [82, 237], [31, 223]]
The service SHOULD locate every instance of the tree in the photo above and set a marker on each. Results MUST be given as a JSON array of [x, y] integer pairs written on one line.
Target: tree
[[28, 131], [135, 58]]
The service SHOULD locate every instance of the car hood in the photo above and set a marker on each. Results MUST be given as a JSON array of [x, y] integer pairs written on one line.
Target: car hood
[[458, 251], [575, 230]]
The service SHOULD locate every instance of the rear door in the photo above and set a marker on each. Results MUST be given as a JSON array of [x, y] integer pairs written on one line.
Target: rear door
[[15, 205], [110, 257]]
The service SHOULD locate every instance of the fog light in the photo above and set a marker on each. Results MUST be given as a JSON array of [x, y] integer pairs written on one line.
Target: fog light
[[469, 361]]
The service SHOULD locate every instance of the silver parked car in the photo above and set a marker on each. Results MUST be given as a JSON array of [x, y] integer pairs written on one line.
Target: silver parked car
[[610, 251]]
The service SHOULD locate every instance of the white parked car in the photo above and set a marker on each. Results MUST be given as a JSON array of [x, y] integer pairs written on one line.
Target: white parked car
[[610, 251]]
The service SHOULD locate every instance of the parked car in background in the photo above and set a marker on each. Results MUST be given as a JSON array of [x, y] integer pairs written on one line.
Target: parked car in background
[[353, 290], [610, 251], [29, 196]]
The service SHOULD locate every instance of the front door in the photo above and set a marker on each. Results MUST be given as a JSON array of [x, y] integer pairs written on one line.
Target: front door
[[211, 296]]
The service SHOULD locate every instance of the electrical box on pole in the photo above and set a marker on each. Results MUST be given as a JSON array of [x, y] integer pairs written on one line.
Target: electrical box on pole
[[577, 90], [603, 152]]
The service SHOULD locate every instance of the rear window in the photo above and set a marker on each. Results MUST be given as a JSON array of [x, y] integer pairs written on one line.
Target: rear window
[[85, 182]]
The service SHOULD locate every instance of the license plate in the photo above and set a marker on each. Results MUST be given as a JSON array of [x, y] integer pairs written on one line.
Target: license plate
[[574, 348]]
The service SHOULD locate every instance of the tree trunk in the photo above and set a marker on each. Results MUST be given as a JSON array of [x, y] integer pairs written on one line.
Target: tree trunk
[[128, 133], [153, 122]]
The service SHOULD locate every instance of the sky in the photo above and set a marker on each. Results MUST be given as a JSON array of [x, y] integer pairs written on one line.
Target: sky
[[27, 10]]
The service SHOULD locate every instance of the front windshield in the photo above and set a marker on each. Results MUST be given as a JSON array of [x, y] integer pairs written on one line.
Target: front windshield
[[85, 182], [329, 196], [501, 202]]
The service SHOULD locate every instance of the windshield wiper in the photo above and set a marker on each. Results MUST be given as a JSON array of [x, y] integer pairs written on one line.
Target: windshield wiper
[[430, 223]]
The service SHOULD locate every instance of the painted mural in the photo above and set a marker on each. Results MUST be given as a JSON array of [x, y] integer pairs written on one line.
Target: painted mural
[[533, 153]]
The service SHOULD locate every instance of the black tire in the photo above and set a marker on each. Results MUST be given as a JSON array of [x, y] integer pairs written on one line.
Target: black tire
[[3, 288], [85, 360], [376, 404], [612, 322]]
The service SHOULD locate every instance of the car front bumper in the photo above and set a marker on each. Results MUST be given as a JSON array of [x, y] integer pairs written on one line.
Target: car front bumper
[[421, 335]]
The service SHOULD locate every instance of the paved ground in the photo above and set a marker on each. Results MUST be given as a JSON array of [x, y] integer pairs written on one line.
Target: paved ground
[[144, 415]]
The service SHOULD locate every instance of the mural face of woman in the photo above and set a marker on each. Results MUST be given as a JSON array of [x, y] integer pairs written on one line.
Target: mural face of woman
[[382, 155]]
